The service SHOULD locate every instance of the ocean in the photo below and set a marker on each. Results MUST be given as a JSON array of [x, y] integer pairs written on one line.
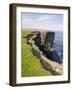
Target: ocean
[[58, 44]]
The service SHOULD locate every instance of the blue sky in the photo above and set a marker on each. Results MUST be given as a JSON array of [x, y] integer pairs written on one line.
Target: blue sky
[[52, 22]]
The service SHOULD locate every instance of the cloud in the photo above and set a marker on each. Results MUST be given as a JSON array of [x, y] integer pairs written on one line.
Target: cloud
[[42, 21], [42, 18], [46, 17]]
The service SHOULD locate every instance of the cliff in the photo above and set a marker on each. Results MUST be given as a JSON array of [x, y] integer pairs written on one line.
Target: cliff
[[44, 38], [47, 63]]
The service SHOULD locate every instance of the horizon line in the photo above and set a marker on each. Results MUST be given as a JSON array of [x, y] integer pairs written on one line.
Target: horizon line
[[40, 29]]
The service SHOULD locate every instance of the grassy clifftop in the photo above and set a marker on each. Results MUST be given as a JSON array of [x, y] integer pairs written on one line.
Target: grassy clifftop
[[31, 65]]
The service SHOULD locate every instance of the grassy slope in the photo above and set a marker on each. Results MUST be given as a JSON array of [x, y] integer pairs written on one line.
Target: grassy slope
[[31, 65]]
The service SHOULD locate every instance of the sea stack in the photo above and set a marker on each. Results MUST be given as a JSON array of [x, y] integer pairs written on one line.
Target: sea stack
[[47, 38], [44, 38]]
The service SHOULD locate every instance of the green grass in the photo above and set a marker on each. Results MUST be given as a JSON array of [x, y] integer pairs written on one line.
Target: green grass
[[31, 65]]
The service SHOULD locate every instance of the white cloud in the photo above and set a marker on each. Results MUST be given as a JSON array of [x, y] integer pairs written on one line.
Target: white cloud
[[41, 21], [41, 18], [45, 17]]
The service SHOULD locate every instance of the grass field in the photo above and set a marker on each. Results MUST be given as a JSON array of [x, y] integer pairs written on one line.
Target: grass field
[[31, 65]]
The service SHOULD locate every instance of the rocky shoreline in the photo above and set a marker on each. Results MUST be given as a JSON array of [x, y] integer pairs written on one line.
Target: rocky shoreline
[[47, 63]]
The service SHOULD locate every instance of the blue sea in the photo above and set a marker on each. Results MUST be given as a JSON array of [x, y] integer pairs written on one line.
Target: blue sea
[[58, 44]]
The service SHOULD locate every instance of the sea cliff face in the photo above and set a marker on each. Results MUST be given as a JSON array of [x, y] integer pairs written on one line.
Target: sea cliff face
[[45, 42], [49, 59], [44, 38]]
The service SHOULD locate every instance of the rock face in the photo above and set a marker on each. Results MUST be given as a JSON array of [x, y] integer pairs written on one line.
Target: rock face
[[43, 38], [37, 39], [45, 42], [48, 64], [50, 36]]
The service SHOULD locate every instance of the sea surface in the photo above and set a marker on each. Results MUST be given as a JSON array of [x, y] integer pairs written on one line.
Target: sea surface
[[58, 44]]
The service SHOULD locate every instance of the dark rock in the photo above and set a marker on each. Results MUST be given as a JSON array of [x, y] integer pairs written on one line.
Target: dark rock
[[43, 40], [53, 55], [38, 40], [50, 36]]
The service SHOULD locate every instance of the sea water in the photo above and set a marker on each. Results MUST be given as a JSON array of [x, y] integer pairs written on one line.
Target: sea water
[[58, 44]]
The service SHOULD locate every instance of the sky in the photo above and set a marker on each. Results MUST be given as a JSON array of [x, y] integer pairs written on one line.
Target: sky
[[43, 21]]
